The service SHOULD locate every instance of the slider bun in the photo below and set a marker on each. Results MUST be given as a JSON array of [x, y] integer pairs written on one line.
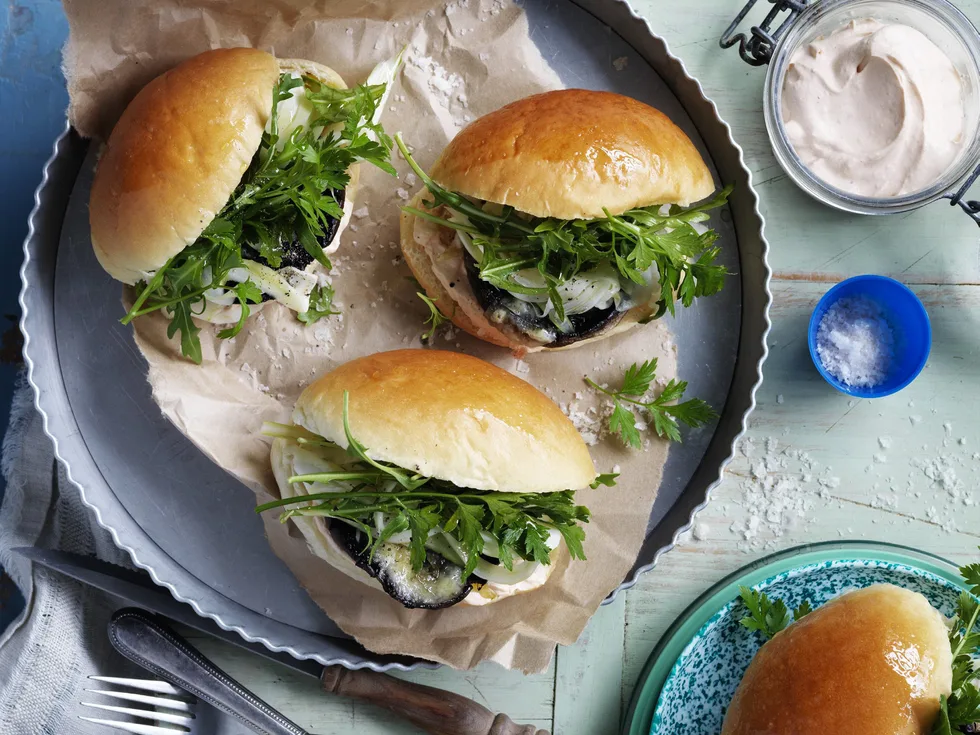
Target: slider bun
[[177, 153], [452, 417], [572, 152], [322, 543], [420, 239], [871, 662]]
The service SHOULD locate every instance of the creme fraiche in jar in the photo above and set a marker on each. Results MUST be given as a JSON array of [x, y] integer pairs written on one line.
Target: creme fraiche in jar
[[873, 106]]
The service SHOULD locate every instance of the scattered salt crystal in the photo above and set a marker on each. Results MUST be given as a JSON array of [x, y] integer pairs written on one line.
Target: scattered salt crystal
[[701, 531], [915, 420], [620, 63], [361, 212], [410, 179], [855, 343], [884, 442], [779, 399], [401, 193]]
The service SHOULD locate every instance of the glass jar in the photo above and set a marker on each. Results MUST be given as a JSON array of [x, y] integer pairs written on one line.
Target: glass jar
[[941, 23]]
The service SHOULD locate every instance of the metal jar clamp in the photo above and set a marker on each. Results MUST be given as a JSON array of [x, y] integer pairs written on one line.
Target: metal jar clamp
[[757, 49]]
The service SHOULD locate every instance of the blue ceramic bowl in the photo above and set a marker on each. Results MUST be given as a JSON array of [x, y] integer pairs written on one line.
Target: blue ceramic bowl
[[905, 315]]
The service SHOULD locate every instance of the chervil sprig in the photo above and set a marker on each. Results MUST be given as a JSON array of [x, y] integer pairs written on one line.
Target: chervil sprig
[[664, 413]]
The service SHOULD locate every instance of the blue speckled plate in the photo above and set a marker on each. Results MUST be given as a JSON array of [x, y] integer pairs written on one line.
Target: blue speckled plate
[[706, 651]]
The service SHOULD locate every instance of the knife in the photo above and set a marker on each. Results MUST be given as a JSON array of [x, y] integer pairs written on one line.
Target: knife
[[432, 710]]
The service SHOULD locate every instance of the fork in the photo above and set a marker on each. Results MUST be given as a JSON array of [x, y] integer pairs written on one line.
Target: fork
[[170, 706]]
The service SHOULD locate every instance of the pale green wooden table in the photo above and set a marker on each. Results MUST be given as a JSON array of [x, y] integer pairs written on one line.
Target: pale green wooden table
[[935, 251]]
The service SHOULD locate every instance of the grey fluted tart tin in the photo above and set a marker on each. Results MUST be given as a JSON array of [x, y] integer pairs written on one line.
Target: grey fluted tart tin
[[159, 496]]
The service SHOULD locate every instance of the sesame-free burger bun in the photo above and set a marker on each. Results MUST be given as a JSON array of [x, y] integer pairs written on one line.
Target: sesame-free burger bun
[[573, 153], [451, 417], [177, 153], [873, 661]]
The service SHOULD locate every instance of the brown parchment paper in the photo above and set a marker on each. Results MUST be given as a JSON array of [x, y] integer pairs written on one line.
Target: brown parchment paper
[[463, 59]]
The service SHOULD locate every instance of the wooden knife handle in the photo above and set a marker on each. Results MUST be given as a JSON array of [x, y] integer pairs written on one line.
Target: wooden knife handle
[[432, 710]]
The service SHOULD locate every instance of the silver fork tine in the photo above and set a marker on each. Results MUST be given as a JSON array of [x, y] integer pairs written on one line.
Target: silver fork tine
[[134, 728], [146, 714], [147, 685], [176, 704]]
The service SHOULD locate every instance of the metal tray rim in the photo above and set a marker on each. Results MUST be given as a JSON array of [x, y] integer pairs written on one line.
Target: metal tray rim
[[636, 572], [43, 406]]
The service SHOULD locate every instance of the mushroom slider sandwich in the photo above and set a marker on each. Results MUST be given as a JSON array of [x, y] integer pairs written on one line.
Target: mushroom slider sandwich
[[225, 184], [434, 476], [562, 218], [876, 661]]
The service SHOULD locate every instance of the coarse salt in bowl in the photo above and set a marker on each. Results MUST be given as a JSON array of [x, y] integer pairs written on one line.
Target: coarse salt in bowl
[[875, 336]]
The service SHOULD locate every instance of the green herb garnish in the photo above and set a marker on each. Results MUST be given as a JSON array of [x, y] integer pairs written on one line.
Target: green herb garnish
[[766, 616], [962, 708], [632, 242], [665, 414], [436, 318], [285, 196], [321, 305], [959, 711], [606, 478], [519, 522]]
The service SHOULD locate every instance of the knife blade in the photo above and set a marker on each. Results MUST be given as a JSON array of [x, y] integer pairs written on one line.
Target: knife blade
[[138, 588]]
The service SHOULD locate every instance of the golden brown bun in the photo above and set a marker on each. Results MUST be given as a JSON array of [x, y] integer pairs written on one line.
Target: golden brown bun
[[178, 152], [570, 153], [873, 661], [322, 543], [460, 303], [451, 417]]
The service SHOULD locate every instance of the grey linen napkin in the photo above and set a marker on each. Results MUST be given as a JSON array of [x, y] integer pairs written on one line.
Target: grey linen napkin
[[48, 653]]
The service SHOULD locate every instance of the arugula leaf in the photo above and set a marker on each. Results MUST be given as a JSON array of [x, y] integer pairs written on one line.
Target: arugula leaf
[[436, 318], [633, 242], [321, 305], [286, 196], [245, 292], [520, 523], [664, 413]]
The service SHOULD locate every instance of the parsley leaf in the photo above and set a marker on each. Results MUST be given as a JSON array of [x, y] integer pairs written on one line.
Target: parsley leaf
[[287, 196], [642, 244], [664, 413], [607, 478], [321, 305], [765, 616], [436, 318], [519, 523], [962, 708], [802, 610]]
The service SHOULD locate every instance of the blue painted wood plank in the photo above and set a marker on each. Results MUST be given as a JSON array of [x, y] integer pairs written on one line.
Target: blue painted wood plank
[[33, 99]]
